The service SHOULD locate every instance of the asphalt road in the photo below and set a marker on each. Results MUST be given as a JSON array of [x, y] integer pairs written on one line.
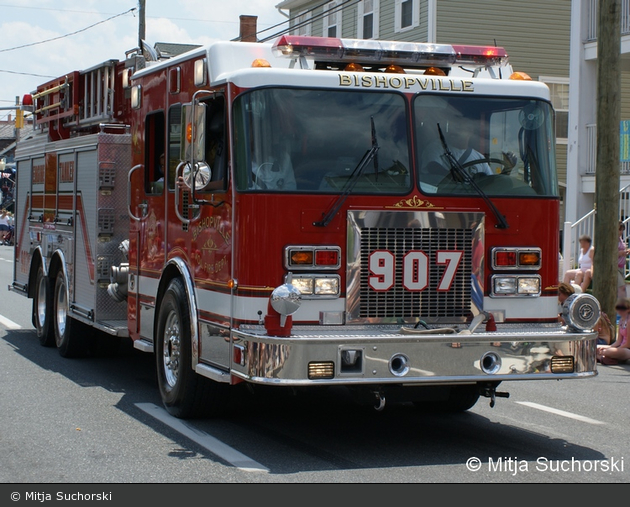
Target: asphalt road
[[99, 420]]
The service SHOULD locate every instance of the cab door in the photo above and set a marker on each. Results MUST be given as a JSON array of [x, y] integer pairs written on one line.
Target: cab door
[[150, 228]]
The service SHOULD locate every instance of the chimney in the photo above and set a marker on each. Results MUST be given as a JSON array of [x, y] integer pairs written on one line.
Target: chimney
[[248, 28]]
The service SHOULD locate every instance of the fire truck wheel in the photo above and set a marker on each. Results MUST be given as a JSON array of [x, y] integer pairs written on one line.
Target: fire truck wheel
[[460, 399], [70, 342], [42, 309], [185, 394]]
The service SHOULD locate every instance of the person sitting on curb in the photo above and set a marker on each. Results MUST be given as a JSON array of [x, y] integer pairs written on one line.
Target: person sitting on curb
[[619, 351]]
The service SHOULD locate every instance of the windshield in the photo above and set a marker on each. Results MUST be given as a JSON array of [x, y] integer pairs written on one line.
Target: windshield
[[297, 140], [506, 145]]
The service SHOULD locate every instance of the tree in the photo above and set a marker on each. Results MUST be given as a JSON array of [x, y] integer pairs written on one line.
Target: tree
[[607, 170]]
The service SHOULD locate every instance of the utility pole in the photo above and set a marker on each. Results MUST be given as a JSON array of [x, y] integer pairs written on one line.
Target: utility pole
[[607, 170], [142, 35]]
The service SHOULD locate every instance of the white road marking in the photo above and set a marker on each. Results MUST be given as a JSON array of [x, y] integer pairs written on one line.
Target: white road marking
[[570, 415], [214, 445], [9, 324]]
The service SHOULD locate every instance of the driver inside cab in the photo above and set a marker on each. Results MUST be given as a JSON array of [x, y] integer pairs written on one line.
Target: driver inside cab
[[460, 139]]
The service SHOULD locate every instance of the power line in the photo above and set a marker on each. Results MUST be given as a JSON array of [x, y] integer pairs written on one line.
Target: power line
[[68, 34], [197, 20], [345, 4], [25, 73]]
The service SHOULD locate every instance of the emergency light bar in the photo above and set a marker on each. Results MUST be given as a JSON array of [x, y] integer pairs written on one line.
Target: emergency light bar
[[417, 53]]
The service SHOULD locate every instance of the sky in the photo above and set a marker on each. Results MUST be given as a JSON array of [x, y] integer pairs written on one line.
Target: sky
[[105, 31]]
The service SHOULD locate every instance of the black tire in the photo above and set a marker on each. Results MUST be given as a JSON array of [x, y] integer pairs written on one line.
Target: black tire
[[185, 394], [70, 336], [460, 399], [43, 309]]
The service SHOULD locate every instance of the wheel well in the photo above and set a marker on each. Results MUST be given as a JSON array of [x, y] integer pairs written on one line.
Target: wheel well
[[36, 262], [170, 272], [55, 265]]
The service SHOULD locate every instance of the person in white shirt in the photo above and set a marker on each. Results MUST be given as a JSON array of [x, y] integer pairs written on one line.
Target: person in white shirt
[[583, 274]]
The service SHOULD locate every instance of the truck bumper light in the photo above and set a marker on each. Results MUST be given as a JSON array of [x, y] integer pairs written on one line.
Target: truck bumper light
[[321, 370], [562, 364], [331, 318]]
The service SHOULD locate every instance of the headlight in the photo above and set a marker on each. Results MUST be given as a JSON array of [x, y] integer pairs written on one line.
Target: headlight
[[528, 285], [304, 285], [504, 285], [327, 286], [314, 286], [516, 285]]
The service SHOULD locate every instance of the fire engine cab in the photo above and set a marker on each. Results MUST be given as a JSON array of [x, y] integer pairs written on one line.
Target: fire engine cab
[[309, 212]]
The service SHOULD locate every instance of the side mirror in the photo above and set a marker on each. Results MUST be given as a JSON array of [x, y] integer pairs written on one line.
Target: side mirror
[[193, 144]]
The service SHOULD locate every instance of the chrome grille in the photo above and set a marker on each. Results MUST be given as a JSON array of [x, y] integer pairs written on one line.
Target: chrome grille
[[397, 302]]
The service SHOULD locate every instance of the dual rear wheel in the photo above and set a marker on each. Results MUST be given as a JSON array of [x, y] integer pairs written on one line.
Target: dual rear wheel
[[53, 324]]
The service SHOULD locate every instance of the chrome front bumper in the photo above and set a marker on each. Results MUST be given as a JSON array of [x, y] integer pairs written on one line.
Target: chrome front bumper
[[386, 356]]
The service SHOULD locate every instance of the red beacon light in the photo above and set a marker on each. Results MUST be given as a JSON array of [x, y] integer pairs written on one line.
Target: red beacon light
[[481, 55], [27, 100]]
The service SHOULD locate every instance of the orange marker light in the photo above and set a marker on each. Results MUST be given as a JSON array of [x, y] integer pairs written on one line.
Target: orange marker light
[[189, 132], [434, 71]]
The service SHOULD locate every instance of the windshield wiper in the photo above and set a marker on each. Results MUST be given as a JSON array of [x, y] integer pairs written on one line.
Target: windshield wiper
[[462, 175], [352, 180]]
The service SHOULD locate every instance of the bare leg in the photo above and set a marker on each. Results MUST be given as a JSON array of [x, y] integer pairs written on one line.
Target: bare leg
[[570, 275], [586, 281]]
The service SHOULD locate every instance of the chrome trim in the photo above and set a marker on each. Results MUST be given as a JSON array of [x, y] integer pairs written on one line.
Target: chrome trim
[[131, 215], [143, 345], [212, 373], [19, 288], [429, 232], [497, 249], [192, 302], [525, 354]]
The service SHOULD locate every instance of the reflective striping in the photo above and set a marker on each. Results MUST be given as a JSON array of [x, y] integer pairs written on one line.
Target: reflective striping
[[556, 411], [9, 324], [214, 445]]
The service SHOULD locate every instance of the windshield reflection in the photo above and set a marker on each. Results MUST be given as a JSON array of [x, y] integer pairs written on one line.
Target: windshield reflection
[[502, 144], [312, 141]]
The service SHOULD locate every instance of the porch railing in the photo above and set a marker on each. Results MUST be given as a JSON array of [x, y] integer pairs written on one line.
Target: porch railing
[[591, 151], [592, 19], [586, 225]]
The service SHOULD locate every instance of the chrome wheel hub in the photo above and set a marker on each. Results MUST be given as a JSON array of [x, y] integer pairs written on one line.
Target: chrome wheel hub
[[171, 349]]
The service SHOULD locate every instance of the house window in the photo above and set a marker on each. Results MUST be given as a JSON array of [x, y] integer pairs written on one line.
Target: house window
[[559, 88], [367, 24], [302, 24], [332, 20], [407, 15]]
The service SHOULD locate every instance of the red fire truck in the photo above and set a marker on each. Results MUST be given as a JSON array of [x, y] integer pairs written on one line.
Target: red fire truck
[[377, 215]]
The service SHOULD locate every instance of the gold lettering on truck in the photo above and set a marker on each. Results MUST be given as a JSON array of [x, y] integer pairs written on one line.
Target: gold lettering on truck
[[408, 83]]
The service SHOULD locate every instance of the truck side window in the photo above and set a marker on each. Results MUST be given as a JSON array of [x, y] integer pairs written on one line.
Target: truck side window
[[216, 145], [174, 141], [154, 155]]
